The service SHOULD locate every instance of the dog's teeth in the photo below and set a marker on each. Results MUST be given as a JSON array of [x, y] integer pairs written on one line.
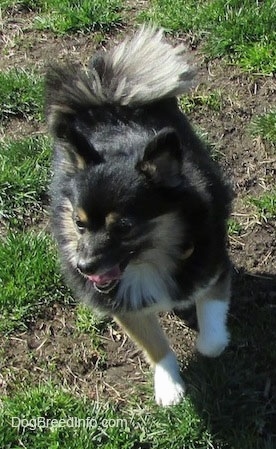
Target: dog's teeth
[[105, 288]]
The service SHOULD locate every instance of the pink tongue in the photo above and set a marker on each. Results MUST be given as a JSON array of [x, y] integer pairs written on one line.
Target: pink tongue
[[111, 275]]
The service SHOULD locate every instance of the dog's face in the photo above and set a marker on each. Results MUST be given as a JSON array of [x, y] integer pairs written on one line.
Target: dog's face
[[119, 214], [113, 213]]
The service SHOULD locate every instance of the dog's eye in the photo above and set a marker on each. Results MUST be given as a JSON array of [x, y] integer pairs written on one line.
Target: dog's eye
[[124, 225], [80, 225]]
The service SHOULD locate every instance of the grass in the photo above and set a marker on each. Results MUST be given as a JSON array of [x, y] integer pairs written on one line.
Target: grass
[[211, 101], [78, 423], [21, 95], [75, 15], [265, 126], [29, 277], [243, 31], [28, 5], [234, 227], [89, 323], [65, 16], [265, 205], [23, 180]]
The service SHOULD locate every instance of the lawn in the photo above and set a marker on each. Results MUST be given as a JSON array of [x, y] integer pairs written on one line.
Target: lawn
[[68, 378]]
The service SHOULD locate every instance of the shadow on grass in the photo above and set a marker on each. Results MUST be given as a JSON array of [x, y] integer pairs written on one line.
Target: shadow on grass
[[236, 393]]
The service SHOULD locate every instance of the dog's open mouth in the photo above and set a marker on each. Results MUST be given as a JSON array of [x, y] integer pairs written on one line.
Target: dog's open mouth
[[106, 282]]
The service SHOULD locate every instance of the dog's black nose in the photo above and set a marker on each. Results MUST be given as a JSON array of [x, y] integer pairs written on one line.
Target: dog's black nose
[[86, 266]]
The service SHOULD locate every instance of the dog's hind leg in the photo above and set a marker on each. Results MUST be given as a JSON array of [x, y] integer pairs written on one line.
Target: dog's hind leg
[[145, 330], [212, 307]]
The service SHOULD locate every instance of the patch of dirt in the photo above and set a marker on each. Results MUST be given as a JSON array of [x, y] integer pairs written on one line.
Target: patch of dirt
[[22, 46], [256, 250], [19, 128], [51, 349]]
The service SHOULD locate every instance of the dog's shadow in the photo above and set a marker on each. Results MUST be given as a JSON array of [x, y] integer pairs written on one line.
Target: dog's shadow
[[235, 394]]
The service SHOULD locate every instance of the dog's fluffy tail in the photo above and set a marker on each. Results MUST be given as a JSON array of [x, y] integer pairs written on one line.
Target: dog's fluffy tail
[[145, 68], [140, 70]]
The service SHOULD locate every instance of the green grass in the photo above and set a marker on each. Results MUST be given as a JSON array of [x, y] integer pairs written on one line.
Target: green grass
[[89, 323], [28, 4], [265, 126], [110, 428], [86, 321], [21, 95], [24, 176], [29, 278], [63, 16], [234, 227], [242, 30], [211, 101], [265, 205]]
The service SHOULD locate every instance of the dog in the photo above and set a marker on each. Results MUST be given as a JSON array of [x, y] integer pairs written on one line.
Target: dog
[[139, 208]]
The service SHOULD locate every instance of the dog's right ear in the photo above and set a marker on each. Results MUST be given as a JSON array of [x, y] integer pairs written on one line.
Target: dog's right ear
[[162, 161], [68, 97]]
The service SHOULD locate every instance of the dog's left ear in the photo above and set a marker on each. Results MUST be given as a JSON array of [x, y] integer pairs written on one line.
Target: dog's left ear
[[68, 98], [162, 161]]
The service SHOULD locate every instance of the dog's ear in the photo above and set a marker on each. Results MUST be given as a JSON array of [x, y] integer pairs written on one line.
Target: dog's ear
[[72, 136], [162, 161], [73, 144], [65, 106]]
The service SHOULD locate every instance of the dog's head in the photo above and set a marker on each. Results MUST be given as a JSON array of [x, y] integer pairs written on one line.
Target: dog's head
[[119, 214]]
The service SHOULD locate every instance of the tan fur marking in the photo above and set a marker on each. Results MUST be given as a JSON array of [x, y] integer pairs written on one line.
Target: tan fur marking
[[80, 162], [82, 215], [146, 332], [148, 168], [69, 231], [111, 218]]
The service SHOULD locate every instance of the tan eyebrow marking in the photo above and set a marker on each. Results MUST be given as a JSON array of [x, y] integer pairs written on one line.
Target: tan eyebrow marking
[[82, 215], [80, 162], [111, 218]]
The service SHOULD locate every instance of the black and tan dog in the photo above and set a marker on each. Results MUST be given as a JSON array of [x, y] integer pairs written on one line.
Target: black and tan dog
[[139, 208]]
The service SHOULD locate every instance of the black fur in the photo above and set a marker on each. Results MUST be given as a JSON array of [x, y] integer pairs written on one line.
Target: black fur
[[141, 163]]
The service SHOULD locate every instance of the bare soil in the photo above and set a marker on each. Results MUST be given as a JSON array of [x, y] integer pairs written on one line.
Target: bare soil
[[50, 347]]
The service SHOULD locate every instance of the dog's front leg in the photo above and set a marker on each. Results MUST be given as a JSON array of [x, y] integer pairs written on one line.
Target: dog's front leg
[[212, 308], [145, 330]]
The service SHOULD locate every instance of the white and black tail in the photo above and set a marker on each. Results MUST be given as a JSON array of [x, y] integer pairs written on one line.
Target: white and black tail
[[145, 68], [140, 70]]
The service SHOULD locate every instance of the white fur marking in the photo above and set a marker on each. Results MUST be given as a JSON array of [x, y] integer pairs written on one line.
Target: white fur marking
[[213, 335], [149, 277], [168, 385], [143, 281]]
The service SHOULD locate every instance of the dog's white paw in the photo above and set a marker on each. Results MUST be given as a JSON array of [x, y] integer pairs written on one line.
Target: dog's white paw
[[170, 393], [213, 344], [168, 384], [213, 335]]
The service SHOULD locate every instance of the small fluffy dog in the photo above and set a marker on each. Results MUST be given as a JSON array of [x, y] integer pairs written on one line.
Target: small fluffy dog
[[139, 208]]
